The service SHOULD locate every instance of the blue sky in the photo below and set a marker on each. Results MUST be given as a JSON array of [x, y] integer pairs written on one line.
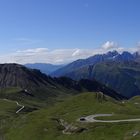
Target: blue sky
[[67, 25]]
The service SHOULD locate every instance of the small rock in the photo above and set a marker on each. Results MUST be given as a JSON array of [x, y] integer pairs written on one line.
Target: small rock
[[135, 133], [45, 129]]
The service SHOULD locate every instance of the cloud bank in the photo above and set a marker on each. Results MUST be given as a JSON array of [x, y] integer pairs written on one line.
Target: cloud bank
[[60, 56]]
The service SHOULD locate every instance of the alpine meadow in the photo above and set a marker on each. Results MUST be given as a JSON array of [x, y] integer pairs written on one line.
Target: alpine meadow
[[69, 70]]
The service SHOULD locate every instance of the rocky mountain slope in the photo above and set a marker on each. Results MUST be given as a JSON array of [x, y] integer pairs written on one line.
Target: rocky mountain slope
[[33, 82], [110, 56]]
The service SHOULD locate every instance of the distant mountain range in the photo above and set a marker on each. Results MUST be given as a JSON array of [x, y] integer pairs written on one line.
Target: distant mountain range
[[110, 56], [120, 72], [40, 86], [44, 67]]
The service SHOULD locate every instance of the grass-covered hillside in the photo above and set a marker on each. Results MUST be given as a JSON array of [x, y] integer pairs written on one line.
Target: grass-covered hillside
[[18, 82], [60, 121], [123, 77]]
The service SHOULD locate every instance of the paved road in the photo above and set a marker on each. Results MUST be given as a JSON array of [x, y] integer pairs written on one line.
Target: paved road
[[22, 106], [92, 118]]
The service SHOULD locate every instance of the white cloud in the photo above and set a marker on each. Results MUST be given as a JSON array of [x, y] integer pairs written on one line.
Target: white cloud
[[109, 45], [76, 52], [138, 47], [36, 50], [59, 56], [45, 55]]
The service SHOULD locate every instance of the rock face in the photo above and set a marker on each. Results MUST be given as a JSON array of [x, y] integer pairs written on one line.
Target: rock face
[[69, 128], [14, 75]]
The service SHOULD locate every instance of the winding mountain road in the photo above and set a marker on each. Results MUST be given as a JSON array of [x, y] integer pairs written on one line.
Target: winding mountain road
[[92, 118], [19, 110]]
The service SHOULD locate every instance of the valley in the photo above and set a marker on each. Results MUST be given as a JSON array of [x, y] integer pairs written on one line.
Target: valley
[[69, 69], [36, 106], [118, 71]]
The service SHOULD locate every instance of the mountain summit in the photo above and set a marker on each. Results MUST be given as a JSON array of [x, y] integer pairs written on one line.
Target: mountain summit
[[109, 56]]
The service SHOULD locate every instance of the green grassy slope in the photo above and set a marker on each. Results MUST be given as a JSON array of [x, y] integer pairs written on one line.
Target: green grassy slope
[[123, 77], [7, 115], [7, 109], [42, 124]]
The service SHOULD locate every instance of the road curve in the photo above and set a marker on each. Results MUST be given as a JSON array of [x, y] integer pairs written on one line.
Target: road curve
[[21, 106], [92, 118]]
